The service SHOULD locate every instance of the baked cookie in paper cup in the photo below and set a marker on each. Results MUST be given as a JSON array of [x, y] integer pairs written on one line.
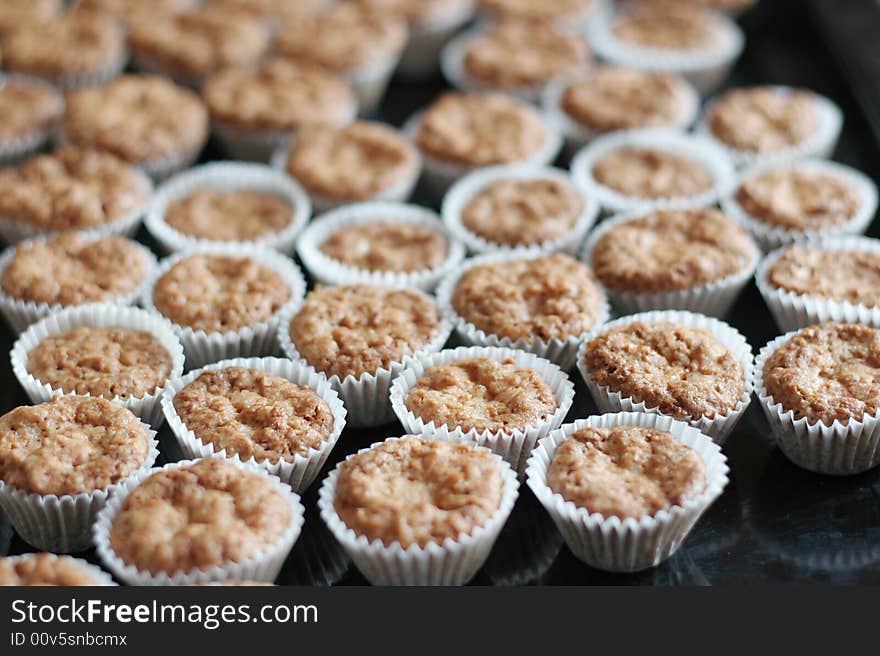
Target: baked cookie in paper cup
[[32, 109], [819, 280], [762, 124], [398, 542], [228, 202], [504, 207], [380, 243], [525, 299], [621, 539], [227, 548], [780, 203], [41, 276], [461, 132], [105, 357], [52, 499], [672, 259], [225, 300], [225, 395], [701, 370], [652, 168], [523, 397], [701, 45], [361, 336], [49, 569], [823, 417]]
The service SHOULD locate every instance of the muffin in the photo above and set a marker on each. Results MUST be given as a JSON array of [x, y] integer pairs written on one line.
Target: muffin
[[571, 14], [677, 364], [199, 521], [144, 119], [41, 276], [360, 161], [255, 111], [358, 41], [30, 111], [72, 50], [49, 569], [74, 446], [818, 388], [694, 259], [417, 535], [379, 243], [360, 337], [539, 303], [75, 188]]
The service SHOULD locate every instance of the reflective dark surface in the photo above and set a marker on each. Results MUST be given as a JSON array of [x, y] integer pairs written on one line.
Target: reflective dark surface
[[774, 523]]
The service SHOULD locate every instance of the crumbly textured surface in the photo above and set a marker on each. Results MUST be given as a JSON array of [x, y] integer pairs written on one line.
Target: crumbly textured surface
[[549, 297], [651, 173], [666, 28], [15, 13], [354, 162], [480, 129], [220, 293], [387, 245], [254, 414], [349, 37], [615, 98], [279, 95], [417, 491], [827, 372], [682, 371], [626, 471], [71, 189], [851, 276], [106, 362], [239, 215], [76, 43], [70, 445], [138, 117], [71, 270], [134, 11], [764, 119], [198, 516], [798, 199], [481, 394], [523, 212], [517, 53], [672, 249], [544, 10], [355, 329], [46, 569], [197, 43], [28, 108]]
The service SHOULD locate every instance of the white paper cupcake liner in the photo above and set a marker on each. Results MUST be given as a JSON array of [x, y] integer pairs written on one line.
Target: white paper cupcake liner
[[328, 271], [464, 190], [770, 237], [607, 543], [63, 523], [298, 473], [262, 567], [702, 151], [147, 407], [705, 68], [95, 572], [202, 347], [19, 314], [562, 352], [819, 145], [14, 151], [718, 427], [452, 562], [837, 449], [370, 82], [228, 176], [713, 298], [426, 41], [792, 311], [514, 445], [577, 135], [365, 397], [439, 175]]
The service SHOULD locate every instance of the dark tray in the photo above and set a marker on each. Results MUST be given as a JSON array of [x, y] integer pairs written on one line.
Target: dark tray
[[774, 522]]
